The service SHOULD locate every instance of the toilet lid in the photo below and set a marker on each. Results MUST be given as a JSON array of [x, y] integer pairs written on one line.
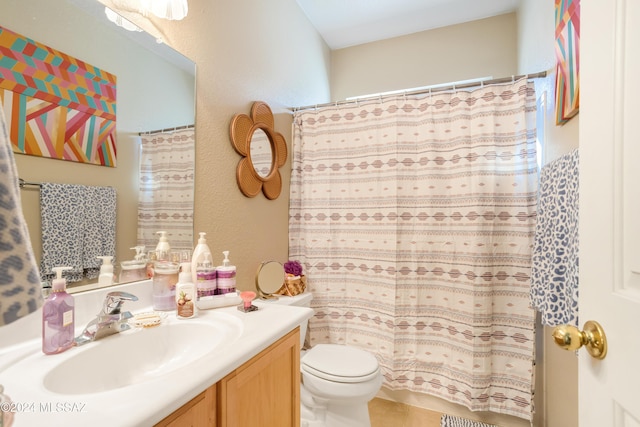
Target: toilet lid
[[340, 363]]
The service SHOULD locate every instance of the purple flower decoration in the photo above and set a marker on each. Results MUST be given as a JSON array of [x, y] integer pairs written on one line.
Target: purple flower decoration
[[293, 267]]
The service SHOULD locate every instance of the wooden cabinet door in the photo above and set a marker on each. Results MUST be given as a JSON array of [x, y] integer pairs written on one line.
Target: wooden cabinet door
[[198, 412], [264, 392]]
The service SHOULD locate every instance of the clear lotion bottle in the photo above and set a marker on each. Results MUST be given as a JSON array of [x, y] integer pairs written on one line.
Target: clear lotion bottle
[[58, 316]]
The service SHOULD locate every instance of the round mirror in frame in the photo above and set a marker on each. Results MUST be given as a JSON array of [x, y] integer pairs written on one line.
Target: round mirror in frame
[[250, 177]]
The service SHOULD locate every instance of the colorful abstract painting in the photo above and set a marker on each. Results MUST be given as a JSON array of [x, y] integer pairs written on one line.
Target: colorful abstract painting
[[567, 15], [56, 106]]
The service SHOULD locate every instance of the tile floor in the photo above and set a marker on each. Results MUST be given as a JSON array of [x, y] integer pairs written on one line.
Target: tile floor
[[385, 413]]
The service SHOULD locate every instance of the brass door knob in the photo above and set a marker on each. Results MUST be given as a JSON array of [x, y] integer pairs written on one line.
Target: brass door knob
[[571, 338]]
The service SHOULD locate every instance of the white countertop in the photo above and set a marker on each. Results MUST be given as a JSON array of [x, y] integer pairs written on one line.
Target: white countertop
[[23, 366]]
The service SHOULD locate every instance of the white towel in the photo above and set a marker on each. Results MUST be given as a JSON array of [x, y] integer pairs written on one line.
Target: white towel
[[554, 266], [20, 290], [78, 224]]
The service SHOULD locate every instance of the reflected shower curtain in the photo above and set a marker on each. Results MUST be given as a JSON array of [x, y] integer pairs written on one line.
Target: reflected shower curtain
[[414, 218], [166, 186]]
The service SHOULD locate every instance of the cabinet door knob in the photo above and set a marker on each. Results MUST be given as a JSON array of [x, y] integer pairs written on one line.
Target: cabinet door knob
[[592, 337]]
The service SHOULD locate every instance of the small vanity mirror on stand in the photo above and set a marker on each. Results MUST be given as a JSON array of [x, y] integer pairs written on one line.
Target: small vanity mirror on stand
[[269, 279]]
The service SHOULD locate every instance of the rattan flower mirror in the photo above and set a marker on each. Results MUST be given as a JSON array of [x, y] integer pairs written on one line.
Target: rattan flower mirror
[[263, 149]]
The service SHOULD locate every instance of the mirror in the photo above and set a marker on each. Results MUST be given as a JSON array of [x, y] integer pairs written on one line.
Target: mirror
[[155, 90], [259, 173], [269, 279], [260, 152]]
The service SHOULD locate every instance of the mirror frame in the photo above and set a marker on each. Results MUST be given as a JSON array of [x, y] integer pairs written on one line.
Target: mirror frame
[[260, 274], [241, 131]]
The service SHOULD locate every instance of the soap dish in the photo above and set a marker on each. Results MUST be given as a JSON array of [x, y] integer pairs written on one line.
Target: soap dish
[[147, 320]]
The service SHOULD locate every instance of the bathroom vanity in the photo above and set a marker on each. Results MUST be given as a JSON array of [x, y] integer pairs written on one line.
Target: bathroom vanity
[[263, 392], [223, 368]]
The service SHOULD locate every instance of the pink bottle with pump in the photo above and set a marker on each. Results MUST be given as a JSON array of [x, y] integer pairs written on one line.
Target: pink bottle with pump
[[58, 316]]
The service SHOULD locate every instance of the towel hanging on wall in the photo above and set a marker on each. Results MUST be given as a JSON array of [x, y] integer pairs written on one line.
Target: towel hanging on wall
[[554, 265]]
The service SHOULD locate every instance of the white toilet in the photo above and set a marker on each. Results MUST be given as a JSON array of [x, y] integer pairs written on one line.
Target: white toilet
[[338, 381]]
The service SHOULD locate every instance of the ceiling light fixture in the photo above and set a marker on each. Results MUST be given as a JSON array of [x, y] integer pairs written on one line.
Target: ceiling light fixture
[[173, 10]]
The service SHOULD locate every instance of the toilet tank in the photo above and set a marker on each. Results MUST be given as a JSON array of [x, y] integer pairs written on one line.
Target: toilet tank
[[301, 300]]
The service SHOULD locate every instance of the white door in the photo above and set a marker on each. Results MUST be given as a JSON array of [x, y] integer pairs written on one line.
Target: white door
[[609, 389]]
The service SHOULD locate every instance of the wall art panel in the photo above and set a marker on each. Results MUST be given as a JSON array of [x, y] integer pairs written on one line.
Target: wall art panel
[[57, 106]]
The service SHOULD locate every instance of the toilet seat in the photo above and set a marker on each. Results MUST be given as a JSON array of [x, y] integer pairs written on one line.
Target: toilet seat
[[340, 363]]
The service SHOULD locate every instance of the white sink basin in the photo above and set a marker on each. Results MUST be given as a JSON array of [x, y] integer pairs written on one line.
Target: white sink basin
[[101, 383], [140, 355]]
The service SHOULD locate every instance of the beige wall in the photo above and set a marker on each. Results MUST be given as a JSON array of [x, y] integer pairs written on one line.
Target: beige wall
[[144, 80], [245, 51], [487, 47], [557, 374]]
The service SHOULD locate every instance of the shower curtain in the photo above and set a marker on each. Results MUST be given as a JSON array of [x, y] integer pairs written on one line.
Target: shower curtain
[[166, 186], [413, 217]]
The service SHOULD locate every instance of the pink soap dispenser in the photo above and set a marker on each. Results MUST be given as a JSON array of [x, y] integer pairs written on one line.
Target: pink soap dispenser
[[57, 316]]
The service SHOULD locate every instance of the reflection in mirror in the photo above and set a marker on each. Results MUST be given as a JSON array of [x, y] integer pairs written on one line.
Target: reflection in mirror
[[260, 151], [269, 279], [155, 90]]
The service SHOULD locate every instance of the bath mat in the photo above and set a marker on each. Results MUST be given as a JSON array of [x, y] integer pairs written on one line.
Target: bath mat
[[450, 421]]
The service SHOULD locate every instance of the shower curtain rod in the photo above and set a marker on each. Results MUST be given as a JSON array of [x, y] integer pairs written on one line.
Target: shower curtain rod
[[151, 132], [425, 90]]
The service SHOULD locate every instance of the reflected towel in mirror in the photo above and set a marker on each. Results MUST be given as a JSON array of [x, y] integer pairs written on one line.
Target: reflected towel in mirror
[[20, 292], [78, 224]]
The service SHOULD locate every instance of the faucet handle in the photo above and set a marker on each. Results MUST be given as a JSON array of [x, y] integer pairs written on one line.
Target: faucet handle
[[114, 301]]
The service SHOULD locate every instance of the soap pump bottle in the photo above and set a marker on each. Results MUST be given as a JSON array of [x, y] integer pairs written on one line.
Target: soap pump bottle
[[226, 276], [58, 316], [198, 254], [206, 277], [106, 271], [163, 247], [186, 294], [140, 256]]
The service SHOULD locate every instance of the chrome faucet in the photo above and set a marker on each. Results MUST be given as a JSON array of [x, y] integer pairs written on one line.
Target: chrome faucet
[[110, 320]]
